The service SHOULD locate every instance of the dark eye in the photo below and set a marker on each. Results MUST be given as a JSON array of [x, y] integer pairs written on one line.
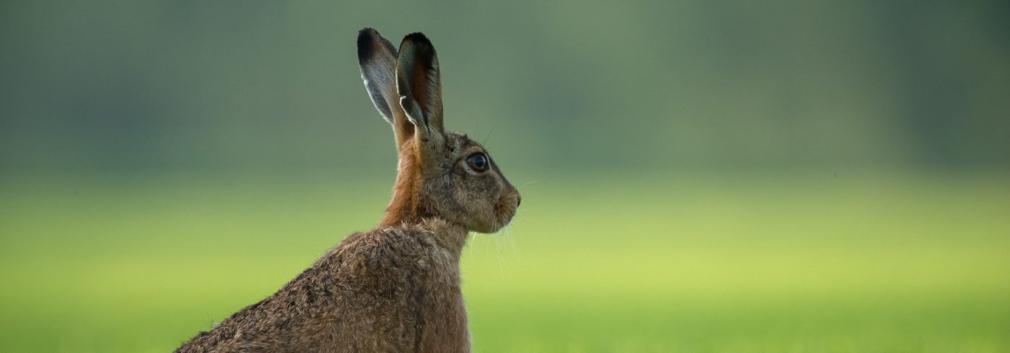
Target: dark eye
[[478, 162]]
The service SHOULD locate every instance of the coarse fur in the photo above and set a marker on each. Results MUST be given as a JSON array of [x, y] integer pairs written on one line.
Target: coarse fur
[[395, 288]]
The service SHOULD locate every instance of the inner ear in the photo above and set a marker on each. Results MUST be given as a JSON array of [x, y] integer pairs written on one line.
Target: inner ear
[[418, 82], [377, 59]]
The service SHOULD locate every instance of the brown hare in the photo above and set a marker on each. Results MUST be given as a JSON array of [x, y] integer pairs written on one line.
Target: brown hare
[[395, 288]]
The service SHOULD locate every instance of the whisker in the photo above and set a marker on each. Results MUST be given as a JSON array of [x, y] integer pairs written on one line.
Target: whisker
[[511, 243], [500, 258], [528, 183], [488, 136]]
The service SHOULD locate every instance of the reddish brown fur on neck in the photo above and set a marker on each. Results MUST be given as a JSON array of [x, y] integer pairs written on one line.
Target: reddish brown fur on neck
[[406, 206]]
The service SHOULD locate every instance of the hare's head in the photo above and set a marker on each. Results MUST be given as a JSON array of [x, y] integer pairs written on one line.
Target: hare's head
[[441, 174]]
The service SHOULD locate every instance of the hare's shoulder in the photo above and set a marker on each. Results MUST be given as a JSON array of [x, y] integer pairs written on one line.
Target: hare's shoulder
[[385, 251], [391, 256]]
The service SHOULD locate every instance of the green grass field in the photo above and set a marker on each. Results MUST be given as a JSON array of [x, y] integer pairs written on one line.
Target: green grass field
[[610, 264]]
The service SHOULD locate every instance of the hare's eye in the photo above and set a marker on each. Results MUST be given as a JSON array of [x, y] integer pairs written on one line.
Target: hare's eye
[[478, 162]]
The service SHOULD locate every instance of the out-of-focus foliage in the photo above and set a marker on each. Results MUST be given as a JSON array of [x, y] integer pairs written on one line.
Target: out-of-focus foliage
[[238, 85]]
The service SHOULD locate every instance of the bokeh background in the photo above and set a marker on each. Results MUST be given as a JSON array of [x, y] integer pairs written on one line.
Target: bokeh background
[[698, 176]]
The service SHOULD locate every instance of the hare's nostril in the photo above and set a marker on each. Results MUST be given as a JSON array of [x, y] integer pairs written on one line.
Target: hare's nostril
[[519, 200]]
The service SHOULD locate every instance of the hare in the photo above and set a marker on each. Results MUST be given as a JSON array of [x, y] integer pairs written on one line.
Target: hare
[[395, 288]]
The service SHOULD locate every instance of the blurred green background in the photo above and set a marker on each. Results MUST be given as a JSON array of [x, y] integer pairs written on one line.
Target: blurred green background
[[697, 176]]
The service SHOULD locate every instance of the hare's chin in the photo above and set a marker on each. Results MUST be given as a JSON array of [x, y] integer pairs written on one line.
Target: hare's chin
[[506, 218]]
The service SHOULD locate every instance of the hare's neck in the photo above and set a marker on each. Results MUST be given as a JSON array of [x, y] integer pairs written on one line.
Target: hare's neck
[[448, 235], [406, 206]]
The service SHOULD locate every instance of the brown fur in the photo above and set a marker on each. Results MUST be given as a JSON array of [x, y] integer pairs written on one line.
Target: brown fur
[[405, 205], [395, 288]]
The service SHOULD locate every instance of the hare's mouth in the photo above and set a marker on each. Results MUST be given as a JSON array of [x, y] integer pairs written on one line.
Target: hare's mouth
[[507, 218], [506, 209]]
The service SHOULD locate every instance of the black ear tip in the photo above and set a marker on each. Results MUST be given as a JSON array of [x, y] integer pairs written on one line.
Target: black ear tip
[[367, 38], [417, 39]]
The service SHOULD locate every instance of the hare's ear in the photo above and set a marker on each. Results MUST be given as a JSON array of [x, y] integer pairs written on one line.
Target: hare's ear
[[377, 58], [419, 87]]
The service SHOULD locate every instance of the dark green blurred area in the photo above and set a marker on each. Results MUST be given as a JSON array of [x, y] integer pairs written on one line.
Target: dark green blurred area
[[107, 86]]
